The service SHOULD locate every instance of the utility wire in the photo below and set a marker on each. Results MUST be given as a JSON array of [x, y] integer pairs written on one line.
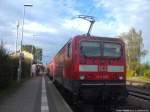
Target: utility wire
[[88, 12]]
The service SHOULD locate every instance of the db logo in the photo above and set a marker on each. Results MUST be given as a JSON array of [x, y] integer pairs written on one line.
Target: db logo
[[103, 68]]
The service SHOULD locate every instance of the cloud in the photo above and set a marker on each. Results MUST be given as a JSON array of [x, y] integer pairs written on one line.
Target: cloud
[[10, 47], [77, 24], [32, 26], [127, 14], [104, 28], [51, 20]]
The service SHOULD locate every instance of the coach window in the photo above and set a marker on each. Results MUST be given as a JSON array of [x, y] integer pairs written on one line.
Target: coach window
[[69, 50]]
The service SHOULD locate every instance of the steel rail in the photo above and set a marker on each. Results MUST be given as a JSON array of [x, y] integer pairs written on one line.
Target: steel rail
[[139, 94]]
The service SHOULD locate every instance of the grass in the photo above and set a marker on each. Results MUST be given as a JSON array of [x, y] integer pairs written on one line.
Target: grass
[[131, 75], [140, 78]]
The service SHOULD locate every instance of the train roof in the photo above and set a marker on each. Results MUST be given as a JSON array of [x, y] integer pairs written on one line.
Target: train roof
[[117, 38]]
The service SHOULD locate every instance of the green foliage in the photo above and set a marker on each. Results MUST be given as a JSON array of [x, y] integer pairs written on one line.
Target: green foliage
[[8, 68], [147, 73], [26, 69], [29, 48], [145, 70], [134, 49], [37, 52], [130, 73], [5, 68]]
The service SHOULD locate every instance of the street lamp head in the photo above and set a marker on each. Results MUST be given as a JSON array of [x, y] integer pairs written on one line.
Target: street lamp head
[[28, 5]]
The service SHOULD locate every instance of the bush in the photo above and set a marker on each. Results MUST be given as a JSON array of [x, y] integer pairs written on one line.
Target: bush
[[147, 73], [130, 73], [15, 62], [5, 68], [26, 68], [9, 68], [145, 70]]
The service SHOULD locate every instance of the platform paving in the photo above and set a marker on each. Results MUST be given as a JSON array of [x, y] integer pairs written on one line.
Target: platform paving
[[55, 100], [26, 98]]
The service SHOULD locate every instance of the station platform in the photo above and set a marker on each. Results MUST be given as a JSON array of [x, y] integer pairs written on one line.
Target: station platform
[[37, 94], [55, 100]]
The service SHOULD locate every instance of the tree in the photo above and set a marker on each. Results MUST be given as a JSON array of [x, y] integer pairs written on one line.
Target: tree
[[134, 49], [37, 52], [29, 48]]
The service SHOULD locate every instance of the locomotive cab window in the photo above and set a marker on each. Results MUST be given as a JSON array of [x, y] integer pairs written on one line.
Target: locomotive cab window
[[90, 49], [69, 50], [112, 50]]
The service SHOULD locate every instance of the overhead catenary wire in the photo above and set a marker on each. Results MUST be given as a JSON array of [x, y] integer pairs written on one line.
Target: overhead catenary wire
[[87, 13], [89, 19]]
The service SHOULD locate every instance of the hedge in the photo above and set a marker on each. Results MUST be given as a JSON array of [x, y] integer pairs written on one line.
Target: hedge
[[8, 68]]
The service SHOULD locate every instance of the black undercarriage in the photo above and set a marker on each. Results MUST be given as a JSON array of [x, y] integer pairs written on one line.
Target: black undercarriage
[[97, 90]]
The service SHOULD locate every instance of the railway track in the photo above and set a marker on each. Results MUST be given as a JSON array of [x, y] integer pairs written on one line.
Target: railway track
[[139, 94], [138, 84], [108, 107], [139, 89]]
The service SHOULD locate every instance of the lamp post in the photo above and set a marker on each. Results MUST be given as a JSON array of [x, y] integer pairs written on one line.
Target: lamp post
[[17, 35], [31, 60], [27, 5], [20, 57]]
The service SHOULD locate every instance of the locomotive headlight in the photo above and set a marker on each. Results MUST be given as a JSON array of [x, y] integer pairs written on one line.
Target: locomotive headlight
[[82, 77], [121, 77]]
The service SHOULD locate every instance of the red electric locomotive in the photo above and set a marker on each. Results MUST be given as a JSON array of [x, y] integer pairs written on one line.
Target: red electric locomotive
[[91, 67]]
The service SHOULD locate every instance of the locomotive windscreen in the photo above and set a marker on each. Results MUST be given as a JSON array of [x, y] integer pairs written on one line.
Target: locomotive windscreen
[[90, 49], [112, 50], [95, 49]]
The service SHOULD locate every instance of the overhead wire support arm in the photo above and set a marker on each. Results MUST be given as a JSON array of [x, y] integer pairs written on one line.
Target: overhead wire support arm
[[87, 18]]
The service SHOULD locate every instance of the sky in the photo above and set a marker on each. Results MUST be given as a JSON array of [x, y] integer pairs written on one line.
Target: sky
[[49, 24]]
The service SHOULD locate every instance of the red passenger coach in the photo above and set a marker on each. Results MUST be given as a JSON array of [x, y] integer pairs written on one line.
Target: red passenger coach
[[91, 67]]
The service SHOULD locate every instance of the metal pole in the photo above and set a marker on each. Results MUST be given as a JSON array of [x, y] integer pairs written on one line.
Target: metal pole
[[31, 60], [22, 29], [20, 57], [140, 72], [17, 36], [30, 5], [92, 22]]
